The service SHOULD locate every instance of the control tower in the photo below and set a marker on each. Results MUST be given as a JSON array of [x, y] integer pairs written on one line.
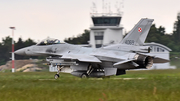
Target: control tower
[[106, 30]]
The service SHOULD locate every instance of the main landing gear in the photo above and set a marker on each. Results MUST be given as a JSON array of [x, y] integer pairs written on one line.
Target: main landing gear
[[84, 75], [57, 75], [89, 71]]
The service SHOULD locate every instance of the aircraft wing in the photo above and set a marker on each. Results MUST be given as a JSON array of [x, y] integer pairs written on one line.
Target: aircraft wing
[[83, 58]]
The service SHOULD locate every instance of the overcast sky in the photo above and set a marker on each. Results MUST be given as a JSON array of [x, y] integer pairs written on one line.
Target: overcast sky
[[38, 19]]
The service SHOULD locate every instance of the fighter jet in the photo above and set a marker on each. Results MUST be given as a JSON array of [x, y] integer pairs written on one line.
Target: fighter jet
[[100, 62]]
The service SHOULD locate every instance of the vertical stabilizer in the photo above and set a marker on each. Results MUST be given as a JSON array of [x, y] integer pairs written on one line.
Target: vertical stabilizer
[[138, 34]]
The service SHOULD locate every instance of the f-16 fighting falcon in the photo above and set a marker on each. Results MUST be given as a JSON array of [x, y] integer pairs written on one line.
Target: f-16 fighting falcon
[[101, 62]]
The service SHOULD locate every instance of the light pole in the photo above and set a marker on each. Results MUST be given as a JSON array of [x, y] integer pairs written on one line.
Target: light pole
[[13, 28]]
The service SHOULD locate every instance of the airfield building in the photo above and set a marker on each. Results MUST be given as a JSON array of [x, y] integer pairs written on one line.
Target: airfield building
[[105, 30]]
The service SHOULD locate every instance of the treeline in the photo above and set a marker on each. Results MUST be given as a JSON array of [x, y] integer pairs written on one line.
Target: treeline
[[80, 39], [6, 49], [171, 40]]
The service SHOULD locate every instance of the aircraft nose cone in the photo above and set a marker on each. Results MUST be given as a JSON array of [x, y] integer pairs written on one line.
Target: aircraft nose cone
[[20, 52]]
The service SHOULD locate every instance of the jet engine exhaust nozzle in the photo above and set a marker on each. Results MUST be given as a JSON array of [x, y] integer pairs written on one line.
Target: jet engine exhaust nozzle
[[144, 61]]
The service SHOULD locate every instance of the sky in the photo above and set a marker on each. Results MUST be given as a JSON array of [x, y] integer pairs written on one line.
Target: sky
[[39, 19]]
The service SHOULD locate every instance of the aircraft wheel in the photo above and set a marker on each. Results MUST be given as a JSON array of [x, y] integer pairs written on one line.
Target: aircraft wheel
[[56, 76], [84, 75]]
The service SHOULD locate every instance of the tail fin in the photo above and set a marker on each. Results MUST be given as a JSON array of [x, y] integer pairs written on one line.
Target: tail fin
[[138, 34]]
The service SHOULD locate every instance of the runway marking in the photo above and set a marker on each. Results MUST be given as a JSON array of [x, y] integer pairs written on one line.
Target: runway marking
[[117, 78], [128, 78], [46, 79], [100, 79]]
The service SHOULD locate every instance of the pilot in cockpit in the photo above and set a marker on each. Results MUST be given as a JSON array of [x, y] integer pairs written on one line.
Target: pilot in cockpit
[[49, 41]]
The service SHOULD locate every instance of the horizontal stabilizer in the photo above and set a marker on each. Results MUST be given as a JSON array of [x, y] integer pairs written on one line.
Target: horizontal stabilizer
[[155, 58], [159, 60]]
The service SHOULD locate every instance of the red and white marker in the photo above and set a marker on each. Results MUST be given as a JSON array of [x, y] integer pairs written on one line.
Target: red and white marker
[[13, 28], [139, 29]]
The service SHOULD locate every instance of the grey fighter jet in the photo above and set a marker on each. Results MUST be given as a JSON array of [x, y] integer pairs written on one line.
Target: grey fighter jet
[[106, 61]]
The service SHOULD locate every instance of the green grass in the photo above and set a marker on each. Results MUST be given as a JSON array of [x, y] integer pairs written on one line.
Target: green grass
[[156, 85]]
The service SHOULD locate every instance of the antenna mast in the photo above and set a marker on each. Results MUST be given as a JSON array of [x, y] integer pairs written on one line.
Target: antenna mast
[[94, 9]]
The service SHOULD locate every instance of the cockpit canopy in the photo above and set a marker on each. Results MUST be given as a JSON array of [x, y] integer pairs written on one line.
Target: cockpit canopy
[[49, 41]]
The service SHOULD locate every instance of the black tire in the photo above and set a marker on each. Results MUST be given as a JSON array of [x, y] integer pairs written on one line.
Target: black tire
[[84, 76], [56, 76]]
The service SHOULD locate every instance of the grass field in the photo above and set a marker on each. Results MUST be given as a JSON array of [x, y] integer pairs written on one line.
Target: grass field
[[154, 85]]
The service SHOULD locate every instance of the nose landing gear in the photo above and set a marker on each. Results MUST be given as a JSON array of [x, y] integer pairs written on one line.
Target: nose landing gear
[[57, 75]]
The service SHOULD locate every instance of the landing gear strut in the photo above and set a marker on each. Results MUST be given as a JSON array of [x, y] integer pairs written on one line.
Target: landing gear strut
[[57, 75], [89, 71]]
